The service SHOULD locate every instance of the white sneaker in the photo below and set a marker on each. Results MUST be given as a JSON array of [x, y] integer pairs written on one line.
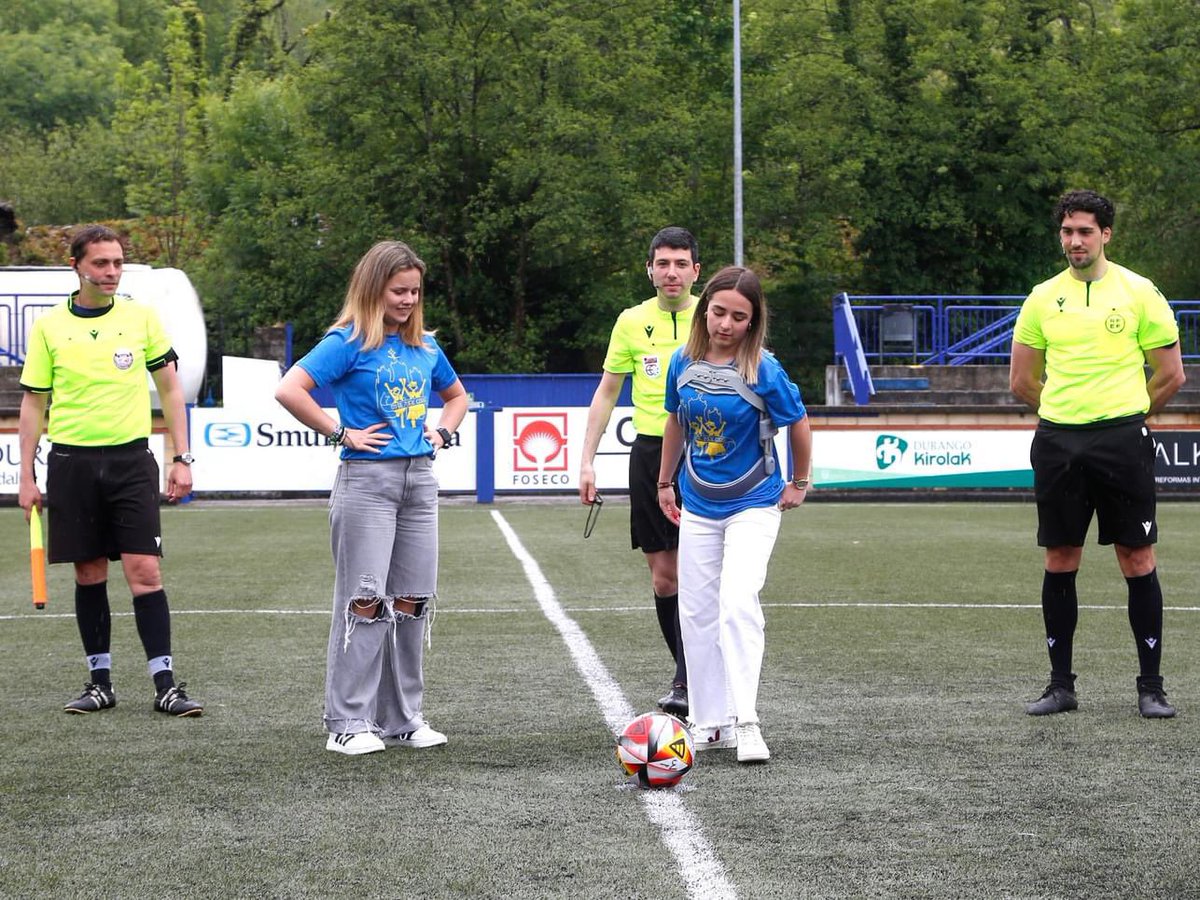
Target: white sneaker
[[422, 737], [750, 744], [354, 744], [719, 738]]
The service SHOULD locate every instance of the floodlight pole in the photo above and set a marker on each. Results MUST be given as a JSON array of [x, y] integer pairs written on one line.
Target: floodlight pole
[[737, 134]]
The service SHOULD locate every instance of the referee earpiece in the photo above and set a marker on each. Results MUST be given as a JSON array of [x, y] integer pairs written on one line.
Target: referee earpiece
[[86, 277]]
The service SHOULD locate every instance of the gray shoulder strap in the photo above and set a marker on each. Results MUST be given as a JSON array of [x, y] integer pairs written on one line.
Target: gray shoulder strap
[[720, 380]]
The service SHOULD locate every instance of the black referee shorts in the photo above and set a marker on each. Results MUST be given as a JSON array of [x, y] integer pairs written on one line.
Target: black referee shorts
[[1106, 469], [102, 502], [649, 530]]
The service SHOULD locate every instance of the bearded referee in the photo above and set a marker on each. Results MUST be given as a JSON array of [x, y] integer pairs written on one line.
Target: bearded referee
[[641, 345], [1090, 331], [91, 354]]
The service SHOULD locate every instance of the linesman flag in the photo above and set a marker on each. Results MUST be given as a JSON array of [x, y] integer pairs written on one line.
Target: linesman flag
[[37, 559]]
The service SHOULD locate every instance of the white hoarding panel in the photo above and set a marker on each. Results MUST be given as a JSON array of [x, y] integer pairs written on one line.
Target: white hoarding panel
[[271, 451], [10, 461], [900, 458]]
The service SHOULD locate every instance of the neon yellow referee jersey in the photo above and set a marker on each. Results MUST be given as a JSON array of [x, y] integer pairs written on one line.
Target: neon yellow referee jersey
[[94, 367], [1095, 334], [642, 342]]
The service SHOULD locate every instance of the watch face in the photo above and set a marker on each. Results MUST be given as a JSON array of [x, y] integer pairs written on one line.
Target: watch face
[[185, 458]]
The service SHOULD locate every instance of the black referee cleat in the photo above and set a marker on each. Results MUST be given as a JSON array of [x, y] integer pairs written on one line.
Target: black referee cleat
[[94, 697], [174, 702], [676, 702], [1152, 699], [1055, 699]]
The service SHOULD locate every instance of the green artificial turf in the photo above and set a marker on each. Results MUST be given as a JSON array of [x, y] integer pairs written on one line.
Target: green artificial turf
[[901, 642]]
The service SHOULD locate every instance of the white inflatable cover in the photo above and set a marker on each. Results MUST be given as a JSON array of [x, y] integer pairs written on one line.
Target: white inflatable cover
[[27, 291]]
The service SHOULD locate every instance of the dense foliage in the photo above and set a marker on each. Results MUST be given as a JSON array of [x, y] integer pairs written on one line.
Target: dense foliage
[[528, 149]]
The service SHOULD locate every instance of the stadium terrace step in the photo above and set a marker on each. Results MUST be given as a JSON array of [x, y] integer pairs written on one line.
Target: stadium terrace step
[[960, 386], [894, 384], [10, 389], [933, 386]]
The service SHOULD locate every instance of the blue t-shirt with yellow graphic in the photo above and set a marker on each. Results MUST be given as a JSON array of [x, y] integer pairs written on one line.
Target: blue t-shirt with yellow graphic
[[721, 434], [391, 384]]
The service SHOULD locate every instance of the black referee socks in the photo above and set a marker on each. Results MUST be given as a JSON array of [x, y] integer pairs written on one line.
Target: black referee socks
[[153, 618], [1146, 620], [667, 609], [94, 619], [1060, 612]]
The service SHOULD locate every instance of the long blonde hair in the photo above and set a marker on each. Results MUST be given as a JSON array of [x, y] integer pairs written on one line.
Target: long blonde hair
[[750, 350], [363, 307]]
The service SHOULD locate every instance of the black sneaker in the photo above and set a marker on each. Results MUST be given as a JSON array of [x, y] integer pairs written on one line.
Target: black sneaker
[[1055, 699], [1152, 699], [174, 702], [676, 702], [94, 698]]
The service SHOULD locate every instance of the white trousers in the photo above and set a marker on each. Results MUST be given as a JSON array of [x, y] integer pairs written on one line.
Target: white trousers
[[722, 568]]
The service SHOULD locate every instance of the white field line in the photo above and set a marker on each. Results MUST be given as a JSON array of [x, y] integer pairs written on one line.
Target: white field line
[[863, 604], [701, 871]]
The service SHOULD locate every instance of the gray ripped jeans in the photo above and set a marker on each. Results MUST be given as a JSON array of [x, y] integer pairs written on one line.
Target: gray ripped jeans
[[383, 522]]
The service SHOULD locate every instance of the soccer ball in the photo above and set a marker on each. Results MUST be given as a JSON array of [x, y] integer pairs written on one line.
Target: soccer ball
[[656, 750]]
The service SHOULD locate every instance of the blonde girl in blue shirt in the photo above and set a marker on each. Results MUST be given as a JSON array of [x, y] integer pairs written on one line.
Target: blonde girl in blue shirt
[[382, 367]]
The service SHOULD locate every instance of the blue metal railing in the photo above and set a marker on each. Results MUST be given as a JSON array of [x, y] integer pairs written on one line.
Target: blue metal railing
[[17, 312], [8, 331], [848, 350], [961, 329], [987, 334], [947, 329], [1187, 315]]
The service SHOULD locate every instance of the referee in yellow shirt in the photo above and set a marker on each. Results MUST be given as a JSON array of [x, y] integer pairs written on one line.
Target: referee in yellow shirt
[[1089, 332], [641, 345], [91, 354]]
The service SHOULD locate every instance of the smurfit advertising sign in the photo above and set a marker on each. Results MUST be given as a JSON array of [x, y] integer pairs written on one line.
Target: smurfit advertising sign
[[253, 444], [271, 451], [922, 459]]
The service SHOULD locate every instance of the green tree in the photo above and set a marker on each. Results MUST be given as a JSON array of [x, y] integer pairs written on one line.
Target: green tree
[[801, 175], [159, 126], [527, 153], [63, 175], [968, 135], [1148, 137], [61, 72], [529, 149], [269, 258]]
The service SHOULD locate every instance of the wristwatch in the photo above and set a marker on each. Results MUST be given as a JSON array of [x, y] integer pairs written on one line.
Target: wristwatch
[[446, 435], [186, 458], [800, 483]]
